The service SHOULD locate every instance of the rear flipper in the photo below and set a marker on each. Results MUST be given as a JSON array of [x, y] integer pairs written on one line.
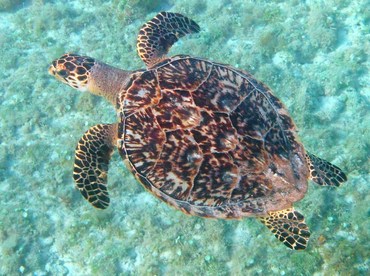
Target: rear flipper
[[289, 227], [324, 173]]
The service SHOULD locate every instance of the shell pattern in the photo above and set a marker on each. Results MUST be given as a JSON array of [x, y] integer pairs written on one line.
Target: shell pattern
[[210, 139]]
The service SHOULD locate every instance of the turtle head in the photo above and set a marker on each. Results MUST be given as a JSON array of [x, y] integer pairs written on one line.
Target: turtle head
[[73, 70], [87, 74]]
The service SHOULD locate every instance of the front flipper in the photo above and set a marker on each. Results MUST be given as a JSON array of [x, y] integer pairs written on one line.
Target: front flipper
[[158, 35], [289, 227], [324, 173], [92, 156]]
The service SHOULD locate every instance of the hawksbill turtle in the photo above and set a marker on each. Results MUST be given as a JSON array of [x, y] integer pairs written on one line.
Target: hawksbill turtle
[[204, 137]]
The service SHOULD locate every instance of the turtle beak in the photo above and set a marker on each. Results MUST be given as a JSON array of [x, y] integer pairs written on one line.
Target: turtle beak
[[51, 70], [56, 73]]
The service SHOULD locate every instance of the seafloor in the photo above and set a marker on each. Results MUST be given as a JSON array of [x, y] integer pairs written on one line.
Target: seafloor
[[313, 54]]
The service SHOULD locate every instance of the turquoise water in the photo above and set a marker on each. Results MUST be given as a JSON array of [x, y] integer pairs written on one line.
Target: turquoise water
[[313, 54]]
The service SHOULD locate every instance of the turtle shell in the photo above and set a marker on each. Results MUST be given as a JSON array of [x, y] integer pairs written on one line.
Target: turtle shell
[[210, 140]]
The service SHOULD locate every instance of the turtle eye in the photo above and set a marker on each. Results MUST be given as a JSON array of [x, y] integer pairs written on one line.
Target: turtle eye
[[63, 73]]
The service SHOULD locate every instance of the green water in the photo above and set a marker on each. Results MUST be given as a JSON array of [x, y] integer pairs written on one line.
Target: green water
[[313, 54]]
